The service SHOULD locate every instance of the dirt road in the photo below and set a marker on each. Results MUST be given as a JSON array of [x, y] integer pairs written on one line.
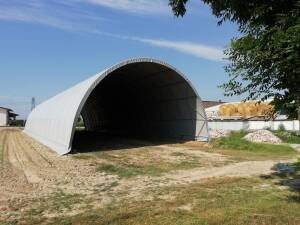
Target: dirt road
[[31, 170]]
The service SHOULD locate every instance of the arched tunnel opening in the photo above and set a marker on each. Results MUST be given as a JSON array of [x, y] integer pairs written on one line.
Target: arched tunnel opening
[[143, 100]]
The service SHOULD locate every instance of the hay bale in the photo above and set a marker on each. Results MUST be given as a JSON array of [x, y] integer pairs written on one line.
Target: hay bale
[[227, 110], [246, 109]]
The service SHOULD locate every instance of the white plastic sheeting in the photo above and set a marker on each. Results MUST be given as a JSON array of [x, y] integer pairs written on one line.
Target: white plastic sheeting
[[53, 122]]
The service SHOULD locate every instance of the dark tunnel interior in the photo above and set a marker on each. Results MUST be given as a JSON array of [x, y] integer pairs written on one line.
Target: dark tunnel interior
[[142, 100]]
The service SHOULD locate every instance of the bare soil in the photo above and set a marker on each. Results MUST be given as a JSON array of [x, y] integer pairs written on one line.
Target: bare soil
[[31, 171]]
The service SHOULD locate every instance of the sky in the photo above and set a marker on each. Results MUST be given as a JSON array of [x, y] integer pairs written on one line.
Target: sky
[[47, 46]]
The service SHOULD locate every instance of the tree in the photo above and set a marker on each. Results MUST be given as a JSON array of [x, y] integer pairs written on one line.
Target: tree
[[265, 61]]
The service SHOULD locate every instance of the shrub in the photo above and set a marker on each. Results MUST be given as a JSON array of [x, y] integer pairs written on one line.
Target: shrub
[[281, 127], [288, 136]]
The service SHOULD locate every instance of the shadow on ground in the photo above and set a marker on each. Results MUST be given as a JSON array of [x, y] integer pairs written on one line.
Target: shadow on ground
[[91, 141], [288, 176]]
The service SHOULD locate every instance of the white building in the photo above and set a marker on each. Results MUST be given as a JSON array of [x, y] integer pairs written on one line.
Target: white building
[[7, 116]]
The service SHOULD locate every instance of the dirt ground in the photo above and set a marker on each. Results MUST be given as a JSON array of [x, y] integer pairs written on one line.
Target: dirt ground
[[31, 171]]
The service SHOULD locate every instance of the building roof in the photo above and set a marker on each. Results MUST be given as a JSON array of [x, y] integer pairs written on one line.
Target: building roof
[[207, 104], [5, 108], [10, 111], [12, 114]]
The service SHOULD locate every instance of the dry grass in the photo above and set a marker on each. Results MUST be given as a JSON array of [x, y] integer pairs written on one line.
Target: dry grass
[[153, 161], [213, 201]]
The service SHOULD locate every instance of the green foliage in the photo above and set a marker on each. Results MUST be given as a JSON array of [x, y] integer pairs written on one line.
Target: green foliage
[[297, 165], [265, 63], [80, 122], [265, 60], [288, 136], [281, 127], [236, 142], [178, 6], [18, 123]]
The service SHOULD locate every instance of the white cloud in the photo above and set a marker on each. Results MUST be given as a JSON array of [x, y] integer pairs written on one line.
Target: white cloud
[[72, 19], [65, 16], [194, 49], [191, 48], [134, 6], [30, 16]]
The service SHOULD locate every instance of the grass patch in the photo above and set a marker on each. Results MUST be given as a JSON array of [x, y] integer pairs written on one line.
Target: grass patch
[[236, 142], [56, 202], [35, 211], [227, 201], [296, 165], [152, 169], [288, 136], [129, 170], [152, 162]]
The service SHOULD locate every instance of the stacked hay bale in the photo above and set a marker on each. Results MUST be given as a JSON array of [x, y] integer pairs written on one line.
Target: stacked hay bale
[[227, 110], [265, 110], [247, 110]]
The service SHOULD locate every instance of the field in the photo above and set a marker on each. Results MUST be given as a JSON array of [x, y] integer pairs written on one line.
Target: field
[[130, 181]]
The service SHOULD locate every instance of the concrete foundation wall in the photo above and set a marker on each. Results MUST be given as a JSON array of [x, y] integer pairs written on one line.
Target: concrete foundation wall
[[292, 125]]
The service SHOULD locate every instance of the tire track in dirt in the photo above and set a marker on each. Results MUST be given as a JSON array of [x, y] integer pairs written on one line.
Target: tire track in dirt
[[46, 170], [2, 150], [33, 147], [13, 182], [18, 158]]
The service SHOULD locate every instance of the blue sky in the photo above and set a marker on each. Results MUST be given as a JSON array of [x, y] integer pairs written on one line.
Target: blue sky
[[47, 46]]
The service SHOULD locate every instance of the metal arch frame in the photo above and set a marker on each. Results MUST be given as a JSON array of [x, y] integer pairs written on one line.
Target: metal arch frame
[[97, 79]]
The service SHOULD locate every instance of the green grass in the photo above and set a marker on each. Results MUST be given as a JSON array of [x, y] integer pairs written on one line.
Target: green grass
[[236, 142], [127, 171], [296, 165], [288, 136], [227, 201]]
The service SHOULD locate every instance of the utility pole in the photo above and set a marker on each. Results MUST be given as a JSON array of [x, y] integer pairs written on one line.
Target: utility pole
[[32, 103]]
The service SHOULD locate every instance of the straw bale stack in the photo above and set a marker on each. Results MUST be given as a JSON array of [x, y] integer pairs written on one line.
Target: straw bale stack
[[246, 109]]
